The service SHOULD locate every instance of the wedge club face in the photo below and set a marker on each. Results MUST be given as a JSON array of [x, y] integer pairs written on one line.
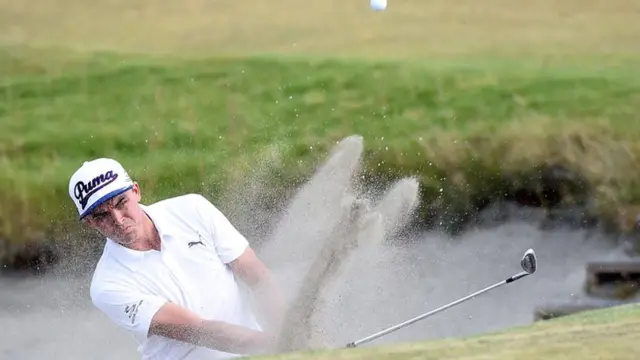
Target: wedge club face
[[529, 262]]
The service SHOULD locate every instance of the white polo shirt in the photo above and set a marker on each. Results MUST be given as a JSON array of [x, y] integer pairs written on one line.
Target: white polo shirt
[[198, 241]]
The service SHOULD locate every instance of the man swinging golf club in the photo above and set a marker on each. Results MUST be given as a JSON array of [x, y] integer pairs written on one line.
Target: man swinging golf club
[[168, 272]]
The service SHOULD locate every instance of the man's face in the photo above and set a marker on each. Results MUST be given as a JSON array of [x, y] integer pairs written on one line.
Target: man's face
[[119, 218]]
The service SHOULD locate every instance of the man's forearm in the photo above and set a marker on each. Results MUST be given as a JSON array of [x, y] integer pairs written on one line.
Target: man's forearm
[[218, 335], [232, 338]]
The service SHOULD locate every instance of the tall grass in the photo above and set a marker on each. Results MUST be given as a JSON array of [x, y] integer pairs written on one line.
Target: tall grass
[[200, 125]]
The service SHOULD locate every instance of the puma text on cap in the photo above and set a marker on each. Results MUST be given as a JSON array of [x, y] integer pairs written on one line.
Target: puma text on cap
[[97, 181]]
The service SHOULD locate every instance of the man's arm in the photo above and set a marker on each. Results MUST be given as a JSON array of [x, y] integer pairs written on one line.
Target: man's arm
[[178, 323], [146, 315], [252, 271]]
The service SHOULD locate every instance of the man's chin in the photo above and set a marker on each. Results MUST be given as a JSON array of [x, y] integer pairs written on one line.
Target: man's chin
[[124, 239]]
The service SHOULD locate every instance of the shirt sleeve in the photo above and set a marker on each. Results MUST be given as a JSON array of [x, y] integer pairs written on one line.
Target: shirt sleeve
[[130, 309], [227, 240]]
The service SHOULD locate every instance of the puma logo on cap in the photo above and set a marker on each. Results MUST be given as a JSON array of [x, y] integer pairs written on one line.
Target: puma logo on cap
[[83, 191]]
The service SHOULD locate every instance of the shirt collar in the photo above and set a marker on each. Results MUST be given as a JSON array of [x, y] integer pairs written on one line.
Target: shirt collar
[[131, 258]]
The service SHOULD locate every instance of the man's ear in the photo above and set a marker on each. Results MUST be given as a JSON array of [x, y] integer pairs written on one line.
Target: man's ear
[[136, 191], [87, 222]]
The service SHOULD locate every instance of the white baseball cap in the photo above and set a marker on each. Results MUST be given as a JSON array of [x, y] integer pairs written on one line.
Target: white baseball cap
[[97, 181]]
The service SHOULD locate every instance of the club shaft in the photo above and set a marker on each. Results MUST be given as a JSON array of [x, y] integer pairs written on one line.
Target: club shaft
[[435, 311]]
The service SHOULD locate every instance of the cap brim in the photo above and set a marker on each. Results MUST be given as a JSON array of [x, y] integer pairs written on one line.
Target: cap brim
[[104, 198]]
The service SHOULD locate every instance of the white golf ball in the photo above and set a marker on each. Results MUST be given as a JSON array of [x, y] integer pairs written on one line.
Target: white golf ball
[[378, 4]]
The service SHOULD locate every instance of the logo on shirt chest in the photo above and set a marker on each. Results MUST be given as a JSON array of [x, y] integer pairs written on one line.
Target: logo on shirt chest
[[199, 242]]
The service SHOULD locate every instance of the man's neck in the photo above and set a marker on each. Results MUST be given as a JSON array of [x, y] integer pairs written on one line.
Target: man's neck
[[151, 238]]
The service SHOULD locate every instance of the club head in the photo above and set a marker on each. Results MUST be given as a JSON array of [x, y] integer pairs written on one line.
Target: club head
[[529, 262]]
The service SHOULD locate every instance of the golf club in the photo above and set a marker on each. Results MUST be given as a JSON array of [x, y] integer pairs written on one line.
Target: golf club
[[528, 263]]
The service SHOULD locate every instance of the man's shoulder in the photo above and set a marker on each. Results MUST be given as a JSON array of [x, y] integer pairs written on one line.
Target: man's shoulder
[[107, 266], [106, 275]]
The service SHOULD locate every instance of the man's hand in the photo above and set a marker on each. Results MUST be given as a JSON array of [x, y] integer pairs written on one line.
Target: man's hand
[[175, 322], [252, 271]]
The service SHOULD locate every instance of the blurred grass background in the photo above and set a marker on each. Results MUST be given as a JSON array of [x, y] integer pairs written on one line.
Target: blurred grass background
[[474, 98]]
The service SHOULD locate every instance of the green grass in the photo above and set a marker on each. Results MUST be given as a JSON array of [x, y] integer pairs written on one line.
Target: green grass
[[188, 95], [179, 125], [604, 334]]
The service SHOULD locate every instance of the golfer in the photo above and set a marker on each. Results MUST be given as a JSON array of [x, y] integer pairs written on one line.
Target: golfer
[[168, 272]]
